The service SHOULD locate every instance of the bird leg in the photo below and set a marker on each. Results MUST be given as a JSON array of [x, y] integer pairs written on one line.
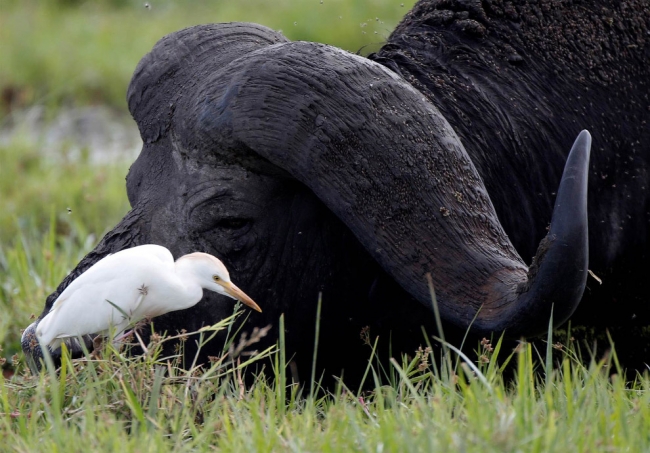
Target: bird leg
[[123, 336], [136, 328]]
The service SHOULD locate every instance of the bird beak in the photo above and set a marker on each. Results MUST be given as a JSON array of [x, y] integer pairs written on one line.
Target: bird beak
[[232, 290]]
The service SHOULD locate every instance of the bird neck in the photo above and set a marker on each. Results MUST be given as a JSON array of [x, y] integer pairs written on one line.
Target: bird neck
[[187, 272]]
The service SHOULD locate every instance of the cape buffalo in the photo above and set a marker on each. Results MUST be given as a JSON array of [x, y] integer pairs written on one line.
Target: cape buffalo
[[308, 169]]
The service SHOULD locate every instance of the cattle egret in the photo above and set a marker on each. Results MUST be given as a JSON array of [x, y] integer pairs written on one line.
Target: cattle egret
[[136, 283]]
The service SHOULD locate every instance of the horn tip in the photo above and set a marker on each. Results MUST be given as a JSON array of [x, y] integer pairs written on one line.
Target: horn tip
[[584, 138]]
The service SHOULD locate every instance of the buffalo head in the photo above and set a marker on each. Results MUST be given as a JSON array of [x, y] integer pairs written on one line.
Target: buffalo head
[[308, 169]]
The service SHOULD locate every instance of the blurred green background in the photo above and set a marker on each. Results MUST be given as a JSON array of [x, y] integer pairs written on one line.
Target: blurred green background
[[55, 52], [66, 138]]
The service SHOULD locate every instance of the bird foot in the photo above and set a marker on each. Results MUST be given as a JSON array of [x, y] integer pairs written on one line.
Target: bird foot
[[98, 343]]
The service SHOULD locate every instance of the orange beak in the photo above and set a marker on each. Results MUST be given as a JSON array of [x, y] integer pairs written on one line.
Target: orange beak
[[233, 291]]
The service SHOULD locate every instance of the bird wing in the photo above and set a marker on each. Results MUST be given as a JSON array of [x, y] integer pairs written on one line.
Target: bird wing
[[107, 294], [113, 266]]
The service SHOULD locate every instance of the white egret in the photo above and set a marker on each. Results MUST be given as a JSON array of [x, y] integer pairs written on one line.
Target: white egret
[[132, 284]]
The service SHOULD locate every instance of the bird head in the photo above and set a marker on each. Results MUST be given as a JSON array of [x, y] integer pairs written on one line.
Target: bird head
[[214, 276]]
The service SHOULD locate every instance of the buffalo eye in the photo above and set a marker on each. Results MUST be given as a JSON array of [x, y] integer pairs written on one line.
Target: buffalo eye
[[232, 224]]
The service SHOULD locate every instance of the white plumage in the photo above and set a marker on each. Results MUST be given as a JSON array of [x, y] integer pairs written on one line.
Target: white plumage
[[143, 282]]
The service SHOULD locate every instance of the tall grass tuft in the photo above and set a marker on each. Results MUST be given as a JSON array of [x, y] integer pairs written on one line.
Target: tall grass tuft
[[111, 401]]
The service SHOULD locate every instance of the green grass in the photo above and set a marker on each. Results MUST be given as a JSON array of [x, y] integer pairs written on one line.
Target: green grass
[[53, 212], [71, 192], [145, 403], [55, 54]]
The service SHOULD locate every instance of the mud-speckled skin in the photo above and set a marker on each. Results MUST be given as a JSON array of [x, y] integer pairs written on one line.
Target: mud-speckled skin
[[307, 169], [516, 80]]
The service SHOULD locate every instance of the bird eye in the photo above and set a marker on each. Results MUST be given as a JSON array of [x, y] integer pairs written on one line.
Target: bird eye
[[215, 278]]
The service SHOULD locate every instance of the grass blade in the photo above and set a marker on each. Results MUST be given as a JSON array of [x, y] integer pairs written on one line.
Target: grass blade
[[316, 337]]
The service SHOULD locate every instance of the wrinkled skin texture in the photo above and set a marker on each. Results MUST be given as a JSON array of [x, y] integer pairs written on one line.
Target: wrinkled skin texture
[[309, 170]]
